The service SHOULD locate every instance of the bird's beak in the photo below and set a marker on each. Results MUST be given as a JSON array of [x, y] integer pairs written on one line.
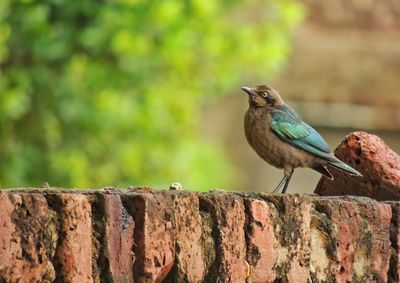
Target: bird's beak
[[248, 90]]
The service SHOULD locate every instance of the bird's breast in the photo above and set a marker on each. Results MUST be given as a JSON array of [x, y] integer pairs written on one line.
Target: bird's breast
[[268, 145]]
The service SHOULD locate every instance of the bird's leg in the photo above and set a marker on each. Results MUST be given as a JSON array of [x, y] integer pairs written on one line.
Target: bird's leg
[[287, 182], [280, 184]]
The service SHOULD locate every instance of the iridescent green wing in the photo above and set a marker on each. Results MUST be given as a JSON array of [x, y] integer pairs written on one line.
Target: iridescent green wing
[[288, 126]]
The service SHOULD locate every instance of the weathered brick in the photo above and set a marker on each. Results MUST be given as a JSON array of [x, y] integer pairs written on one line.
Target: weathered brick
[[350, 240], [334, 236], [209, 240], [65, 236], [262, 243], [227, 212], [28, 238], [376, 217], [154, 247], [348, 225], [374, 159], [394, 270], [74, 252], [118, 239], [189, 261], [292, 229]]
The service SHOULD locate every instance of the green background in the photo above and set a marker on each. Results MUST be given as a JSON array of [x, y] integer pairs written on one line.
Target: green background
[[109, 93]]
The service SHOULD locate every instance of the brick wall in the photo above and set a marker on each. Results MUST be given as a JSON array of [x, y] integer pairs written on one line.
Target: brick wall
[[180, 236]]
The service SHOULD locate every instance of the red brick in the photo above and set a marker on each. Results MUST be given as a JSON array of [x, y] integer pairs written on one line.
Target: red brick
[[154, 247], [321, 242], [292, 229], [119, 228], [74, 253], [353, 241], [394, 270], [228, 214], [377, 217], [334, 237], [189, 261], [28, 238], [374, 159], [262, 244], [348, 236], [187, 237]]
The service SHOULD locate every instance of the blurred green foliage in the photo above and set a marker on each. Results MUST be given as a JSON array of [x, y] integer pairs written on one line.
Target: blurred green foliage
[[96, 93]]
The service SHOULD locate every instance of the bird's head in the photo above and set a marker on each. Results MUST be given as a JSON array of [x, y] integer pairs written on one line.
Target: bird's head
[[263, 96]]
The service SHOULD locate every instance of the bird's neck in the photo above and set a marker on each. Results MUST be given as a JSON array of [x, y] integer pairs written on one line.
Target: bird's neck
[[253, 105]]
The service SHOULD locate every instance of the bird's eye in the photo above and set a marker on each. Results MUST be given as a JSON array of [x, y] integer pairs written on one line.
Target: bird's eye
[[264, 94]]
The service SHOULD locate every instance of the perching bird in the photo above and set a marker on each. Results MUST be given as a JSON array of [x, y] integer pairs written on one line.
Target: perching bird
[[280, 137]]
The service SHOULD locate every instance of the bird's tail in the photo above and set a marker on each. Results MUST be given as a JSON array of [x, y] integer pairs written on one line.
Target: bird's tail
[[344, 167]]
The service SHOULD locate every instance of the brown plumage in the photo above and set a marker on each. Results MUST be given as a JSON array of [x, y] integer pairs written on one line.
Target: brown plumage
[[279, 136]]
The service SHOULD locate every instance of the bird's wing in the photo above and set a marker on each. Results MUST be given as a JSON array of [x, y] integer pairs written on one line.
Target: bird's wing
[[287, 125]]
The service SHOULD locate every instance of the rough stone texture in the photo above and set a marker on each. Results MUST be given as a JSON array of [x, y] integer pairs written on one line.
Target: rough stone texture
[[189, 260], [154, 247], [74, 251], [28, 238], [292, 229], [346, 223], [394, 269], [326, 242], [372, 158], [335, 235], [209, 241], [262, 243], [179, 236], [119, 227], [377, 217], [228, 214], [350, 240]]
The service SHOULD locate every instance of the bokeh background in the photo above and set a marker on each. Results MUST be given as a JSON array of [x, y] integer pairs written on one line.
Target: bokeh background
[[135, 92]]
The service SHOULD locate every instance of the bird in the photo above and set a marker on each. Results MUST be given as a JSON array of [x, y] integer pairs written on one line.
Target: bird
[[279, 136]]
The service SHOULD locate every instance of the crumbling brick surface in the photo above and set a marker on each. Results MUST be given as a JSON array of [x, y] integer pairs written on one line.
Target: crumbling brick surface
[[228, 216], [394, 266], [190, 260], [28, 238], [262, 242], [371, 157], [74, 250], [350, 240], [118, 239], [154, 237], [292, 229], [138, 235]]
